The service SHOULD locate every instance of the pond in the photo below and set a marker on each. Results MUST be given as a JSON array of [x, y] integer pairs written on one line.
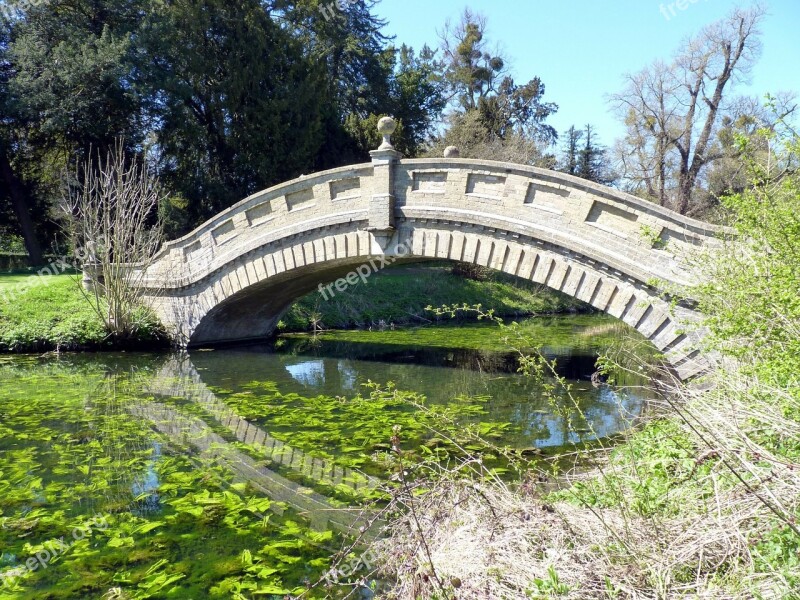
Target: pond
[[237, 473]]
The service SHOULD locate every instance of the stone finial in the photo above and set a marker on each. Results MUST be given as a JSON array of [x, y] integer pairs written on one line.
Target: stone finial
[[452, 152], [386, 127]]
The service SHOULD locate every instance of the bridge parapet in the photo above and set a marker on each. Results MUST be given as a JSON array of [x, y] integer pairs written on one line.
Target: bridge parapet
[[323, 199], [555, 203], [570, 212]]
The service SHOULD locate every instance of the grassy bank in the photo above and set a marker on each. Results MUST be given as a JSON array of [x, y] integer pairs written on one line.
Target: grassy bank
[[701, 502], [44, 313], [48, 313], [399, 296]]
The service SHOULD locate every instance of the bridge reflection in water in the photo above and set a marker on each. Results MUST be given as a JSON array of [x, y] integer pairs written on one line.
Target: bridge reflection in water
[[179, 379]]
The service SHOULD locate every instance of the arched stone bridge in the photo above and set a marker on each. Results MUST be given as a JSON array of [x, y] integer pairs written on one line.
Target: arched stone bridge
[[232, 278]]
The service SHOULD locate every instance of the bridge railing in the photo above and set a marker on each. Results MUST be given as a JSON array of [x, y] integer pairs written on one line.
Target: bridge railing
[[558, 208], [275, 213]]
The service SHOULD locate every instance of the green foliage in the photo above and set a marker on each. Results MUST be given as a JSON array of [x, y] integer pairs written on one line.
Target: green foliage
[[752, 301], [224, 95], [662, 454], [550, 587], [227, 98], [71, 76], [168, 524], [655, 240], [355, 432], [11, 244]]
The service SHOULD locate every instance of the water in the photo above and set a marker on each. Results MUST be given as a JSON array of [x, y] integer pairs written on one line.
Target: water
[[230, 472]]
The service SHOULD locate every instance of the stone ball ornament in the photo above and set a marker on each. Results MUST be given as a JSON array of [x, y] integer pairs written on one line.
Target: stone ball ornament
[[452, 152], [386, 127]]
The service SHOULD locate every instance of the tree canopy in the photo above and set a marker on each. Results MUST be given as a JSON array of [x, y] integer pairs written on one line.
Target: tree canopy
[[223, 98], [226, 97]]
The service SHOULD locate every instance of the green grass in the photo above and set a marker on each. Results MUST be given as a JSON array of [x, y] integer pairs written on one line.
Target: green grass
[[595, 331], [400, 296], [45, 313], [7, 282]]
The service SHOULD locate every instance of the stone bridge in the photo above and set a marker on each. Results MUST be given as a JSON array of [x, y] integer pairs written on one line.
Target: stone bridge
[[232, 278]]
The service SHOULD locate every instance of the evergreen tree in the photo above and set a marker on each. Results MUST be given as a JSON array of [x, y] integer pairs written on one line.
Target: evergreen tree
[[239, 107], [570, 157], [366, 77], [593, 162], [478, 81], [68, 89], [17, 212], [490, 112], [74, 75], [226, 97]]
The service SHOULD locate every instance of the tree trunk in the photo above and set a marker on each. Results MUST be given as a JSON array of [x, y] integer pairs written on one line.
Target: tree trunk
[[17, 195]]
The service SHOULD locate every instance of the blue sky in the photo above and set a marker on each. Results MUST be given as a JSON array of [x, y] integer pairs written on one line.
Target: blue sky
[[582, 48]]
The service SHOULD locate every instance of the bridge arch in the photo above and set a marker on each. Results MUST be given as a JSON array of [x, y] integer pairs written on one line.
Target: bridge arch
[[233, 277]]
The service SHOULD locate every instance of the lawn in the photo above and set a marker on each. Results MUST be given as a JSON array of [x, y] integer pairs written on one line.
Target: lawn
[[48, 312]]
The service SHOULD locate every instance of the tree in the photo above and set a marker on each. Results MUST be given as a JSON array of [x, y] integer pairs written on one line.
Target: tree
[[239, 108], [11, 186], [673, 111], [418, 96], [347, 40], [111, 213], [74, 76], [593, 163], [749, 118], [751, 300], [491, 116], [416, 101], [367, 78], [570, 153], [66, 88], [468, 133], [472, 70], [583, 157], [477, 80]]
